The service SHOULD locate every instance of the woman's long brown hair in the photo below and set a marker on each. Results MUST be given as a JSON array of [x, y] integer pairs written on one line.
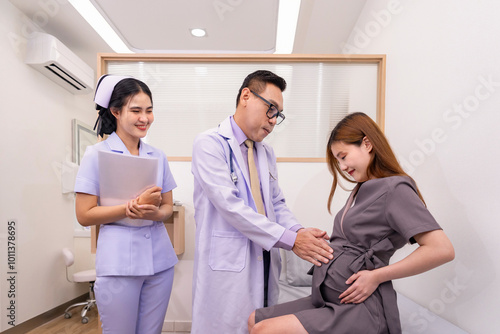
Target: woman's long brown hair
[[351, 130]]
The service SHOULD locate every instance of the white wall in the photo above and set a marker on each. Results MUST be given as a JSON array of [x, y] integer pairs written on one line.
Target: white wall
[[441, 117], [36, 140]]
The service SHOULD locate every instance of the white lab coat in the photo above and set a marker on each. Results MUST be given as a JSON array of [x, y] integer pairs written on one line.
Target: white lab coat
[[228, 281]]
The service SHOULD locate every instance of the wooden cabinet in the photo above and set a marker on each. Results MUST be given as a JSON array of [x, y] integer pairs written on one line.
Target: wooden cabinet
[[175, 228]]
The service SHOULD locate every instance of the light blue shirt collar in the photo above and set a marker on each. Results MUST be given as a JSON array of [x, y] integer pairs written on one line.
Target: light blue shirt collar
[[116, 145], [239, 135]]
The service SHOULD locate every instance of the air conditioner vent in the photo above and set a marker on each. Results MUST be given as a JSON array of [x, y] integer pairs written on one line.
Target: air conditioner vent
[[65, 76], [52, 58]]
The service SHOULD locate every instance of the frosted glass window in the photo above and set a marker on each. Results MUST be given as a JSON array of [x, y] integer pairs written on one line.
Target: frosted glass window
[[191, 97]]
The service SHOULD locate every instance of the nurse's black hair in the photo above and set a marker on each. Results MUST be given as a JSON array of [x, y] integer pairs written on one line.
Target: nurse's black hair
[[257, 81], [122, 93]]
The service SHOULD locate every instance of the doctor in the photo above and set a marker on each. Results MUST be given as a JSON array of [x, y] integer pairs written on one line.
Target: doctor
[[239, 231]]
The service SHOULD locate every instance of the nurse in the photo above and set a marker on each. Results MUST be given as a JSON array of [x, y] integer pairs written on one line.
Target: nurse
[[134, 264], [241, 215]]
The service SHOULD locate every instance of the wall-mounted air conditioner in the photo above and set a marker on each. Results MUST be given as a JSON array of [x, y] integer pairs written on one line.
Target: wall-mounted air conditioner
[[51, 57]]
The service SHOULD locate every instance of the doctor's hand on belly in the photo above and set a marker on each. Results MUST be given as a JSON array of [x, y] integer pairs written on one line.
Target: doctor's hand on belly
[[312, 245]]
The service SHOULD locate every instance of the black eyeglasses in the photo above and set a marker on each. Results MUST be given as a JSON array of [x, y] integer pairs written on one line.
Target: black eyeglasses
[[272, 111]]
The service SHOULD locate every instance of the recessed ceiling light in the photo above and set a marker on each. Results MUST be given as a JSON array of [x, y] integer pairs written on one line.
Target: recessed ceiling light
[[198, 32]]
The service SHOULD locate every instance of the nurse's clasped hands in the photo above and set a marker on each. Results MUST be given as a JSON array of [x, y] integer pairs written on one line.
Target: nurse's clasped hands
[[150, 196], [312, 245], [146, 206]]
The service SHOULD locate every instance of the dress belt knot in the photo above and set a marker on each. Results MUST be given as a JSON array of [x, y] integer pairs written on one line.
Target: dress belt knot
[[368, 257]]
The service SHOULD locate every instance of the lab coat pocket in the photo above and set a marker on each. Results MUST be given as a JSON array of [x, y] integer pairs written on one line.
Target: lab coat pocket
[[228, 251]]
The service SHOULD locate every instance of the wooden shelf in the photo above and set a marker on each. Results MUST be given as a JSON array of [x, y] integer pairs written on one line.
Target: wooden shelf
[[175, 228]]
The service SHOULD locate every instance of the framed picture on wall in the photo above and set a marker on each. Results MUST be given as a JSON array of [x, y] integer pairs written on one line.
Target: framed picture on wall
[[83, 136]]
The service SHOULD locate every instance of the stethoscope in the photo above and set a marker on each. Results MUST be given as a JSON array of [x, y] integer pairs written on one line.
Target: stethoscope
[[232, 174]]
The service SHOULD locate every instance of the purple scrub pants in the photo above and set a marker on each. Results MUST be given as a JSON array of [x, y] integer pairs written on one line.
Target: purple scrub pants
[[133, 304]]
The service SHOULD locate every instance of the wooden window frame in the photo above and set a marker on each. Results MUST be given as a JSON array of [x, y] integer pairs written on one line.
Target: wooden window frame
[[380, 60]]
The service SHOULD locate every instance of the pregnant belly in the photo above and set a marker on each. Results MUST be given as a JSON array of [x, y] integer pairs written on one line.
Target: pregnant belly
[[337, 274]]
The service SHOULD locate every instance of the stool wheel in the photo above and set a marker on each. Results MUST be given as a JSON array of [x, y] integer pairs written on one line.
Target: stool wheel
[[85, 320], [67, 315]]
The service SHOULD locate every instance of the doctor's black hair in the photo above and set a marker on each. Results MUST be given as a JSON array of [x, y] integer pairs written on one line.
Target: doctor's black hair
[[257, 81], [122, 93]]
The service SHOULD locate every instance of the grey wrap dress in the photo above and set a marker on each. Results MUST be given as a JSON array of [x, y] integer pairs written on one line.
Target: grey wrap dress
[[386, 214]]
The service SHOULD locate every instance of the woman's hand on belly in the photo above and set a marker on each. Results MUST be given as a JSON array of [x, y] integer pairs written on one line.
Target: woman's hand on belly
[[364, 283]]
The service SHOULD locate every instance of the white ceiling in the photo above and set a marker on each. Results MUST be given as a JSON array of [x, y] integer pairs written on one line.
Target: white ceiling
[[163, 25]]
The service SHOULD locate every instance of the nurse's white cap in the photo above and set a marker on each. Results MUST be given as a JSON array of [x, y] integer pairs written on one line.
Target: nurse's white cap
[[105, 86]]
